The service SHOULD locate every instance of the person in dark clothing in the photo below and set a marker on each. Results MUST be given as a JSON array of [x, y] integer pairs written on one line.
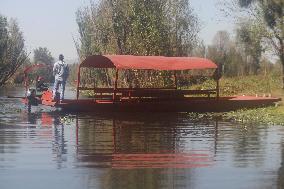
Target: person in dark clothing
[[40, 85]]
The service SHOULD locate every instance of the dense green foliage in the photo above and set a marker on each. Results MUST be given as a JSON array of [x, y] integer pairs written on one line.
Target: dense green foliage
[[136, 27], [250, 37], [246, 85], [12, 51]]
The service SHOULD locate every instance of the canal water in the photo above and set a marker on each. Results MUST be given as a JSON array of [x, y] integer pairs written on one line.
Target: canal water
[[49, 149]]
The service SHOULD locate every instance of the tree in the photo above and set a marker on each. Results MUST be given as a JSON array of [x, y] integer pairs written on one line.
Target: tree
[[250, 38], [12, 49], [43, 56], [272, 14], [229, 55], [200, 50], [221, 43], [136, 27]]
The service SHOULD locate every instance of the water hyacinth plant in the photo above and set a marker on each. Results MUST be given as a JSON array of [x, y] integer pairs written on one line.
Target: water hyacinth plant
[[269, 116]]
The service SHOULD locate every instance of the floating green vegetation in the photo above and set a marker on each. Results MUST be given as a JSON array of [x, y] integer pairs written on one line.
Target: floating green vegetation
[[194, 116], [9, 109], [269, 115], [67, 119]]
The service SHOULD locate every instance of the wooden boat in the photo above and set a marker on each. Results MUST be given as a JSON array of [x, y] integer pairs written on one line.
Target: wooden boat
[[117, 99]]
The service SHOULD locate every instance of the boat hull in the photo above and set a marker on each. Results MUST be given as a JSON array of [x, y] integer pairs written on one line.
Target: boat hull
[[194, 104]]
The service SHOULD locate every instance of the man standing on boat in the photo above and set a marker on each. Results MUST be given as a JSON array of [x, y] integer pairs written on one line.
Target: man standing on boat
[[61, 73]]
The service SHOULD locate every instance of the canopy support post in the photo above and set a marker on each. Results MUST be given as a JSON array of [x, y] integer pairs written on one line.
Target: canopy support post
[[78, 83], [26, 85], [217, 89], [175, 77], [115, 85], [94, 80]]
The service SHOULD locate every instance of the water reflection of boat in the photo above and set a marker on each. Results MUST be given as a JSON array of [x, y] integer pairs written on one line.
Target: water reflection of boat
[[153, 99], [130, 144]]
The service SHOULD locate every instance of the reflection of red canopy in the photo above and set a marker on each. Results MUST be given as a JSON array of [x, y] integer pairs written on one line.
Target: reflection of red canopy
[[160, 160], [147, 62]]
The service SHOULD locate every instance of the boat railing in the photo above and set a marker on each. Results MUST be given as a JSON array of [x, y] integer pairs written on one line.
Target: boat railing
[[155, 93]]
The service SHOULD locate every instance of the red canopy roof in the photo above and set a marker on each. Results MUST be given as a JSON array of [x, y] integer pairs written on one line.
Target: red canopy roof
[[147, 62]]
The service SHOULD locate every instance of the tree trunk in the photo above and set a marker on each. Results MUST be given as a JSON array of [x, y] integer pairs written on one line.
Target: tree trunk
[[281, 54], [282, 62]]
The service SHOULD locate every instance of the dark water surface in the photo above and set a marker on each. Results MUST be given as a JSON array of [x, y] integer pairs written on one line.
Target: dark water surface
[[47, 149]]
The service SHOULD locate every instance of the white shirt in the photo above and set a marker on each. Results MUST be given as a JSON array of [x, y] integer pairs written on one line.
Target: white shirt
[[60, 70]]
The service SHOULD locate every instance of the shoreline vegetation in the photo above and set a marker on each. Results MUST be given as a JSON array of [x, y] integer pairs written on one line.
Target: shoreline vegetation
[[256, 85]]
